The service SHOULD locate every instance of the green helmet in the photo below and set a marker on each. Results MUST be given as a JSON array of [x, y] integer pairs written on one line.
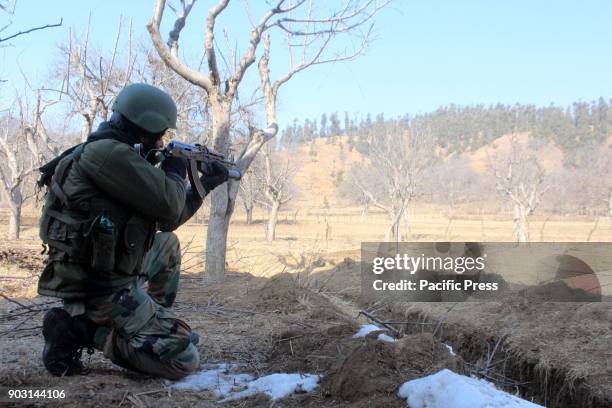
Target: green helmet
[[147, 107]]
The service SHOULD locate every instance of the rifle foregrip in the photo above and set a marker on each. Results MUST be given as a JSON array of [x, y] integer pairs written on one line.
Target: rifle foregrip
[[234, 174]]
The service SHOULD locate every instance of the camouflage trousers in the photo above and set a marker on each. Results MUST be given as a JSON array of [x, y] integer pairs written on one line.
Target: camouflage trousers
[[138, 330]]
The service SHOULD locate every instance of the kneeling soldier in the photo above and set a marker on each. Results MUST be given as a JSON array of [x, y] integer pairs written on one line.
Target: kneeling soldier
[[107, 220]]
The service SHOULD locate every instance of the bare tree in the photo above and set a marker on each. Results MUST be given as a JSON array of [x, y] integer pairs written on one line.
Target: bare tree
[[519, 177], [24, 145], [249, 191], [398, 161], [273, 175], [307, 34], [347, 189], [453, 183], [90, 80], [582, 187]]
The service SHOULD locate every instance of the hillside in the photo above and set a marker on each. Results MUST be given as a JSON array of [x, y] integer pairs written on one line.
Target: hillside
[[316, 173], [318, 165], [549, 155]]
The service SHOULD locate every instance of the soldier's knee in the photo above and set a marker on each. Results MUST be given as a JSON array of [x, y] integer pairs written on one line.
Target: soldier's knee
[[168, 240], [168, 247], [184, 363]]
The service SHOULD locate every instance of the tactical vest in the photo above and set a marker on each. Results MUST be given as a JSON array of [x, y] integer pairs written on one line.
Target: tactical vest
[[96, 245]]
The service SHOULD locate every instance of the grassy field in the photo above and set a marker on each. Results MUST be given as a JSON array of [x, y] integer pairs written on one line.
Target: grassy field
[[338, 233]]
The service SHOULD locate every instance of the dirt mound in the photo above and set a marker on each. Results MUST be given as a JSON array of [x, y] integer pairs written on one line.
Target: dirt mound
[[312, 350], [558, 291], [285, 294], [376, 367], [362, 369], [343, 279]]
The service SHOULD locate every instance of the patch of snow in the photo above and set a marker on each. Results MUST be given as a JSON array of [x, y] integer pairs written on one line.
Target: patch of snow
[[220, 380], [365, 329], [217, 378], [278, 385], [446, 389], [450, 350], [387, 338]]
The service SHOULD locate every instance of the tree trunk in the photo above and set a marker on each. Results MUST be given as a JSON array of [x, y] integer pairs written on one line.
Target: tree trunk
[[222, 203], [249, 214], [394, 228], [364, 211], [521, 224], [407, 226], [397, 230], [15, 217], [272, 218], [86, 129]]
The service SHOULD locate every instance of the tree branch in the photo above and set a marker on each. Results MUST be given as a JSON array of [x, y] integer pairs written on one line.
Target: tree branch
[[209, 42], [31, 30], [191, 75]]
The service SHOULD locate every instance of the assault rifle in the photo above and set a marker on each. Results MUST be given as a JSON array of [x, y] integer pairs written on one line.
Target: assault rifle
[[198, 156]]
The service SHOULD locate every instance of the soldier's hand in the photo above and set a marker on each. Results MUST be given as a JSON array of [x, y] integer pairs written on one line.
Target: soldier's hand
[[176, 165], [214, 174]]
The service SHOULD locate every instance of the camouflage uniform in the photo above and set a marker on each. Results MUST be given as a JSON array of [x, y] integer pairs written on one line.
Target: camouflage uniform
[[139, 331], [108, 179]]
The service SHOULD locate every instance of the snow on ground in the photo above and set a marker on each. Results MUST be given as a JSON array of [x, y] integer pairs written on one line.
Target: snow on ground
[[220, 380], [450, 350], [365, 329], [278, 385], [217, 378], [387, 338], [446, 389]]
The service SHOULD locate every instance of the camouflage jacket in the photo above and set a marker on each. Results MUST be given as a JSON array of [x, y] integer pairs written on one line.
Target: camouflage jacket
[[101, 212]]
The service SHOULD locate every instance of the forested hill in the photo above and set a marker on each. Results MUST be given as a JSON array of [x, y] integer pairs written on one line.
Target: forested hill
[[466, 128]]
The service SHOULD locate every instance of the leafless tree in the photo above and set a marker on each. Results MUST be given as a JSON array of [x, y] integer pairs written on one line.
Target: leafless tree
[[273, 178], [24, 146], [519, 177], [308, 37], [90, 80], [249, 192], [452, 182], [398, 161], [583, 187], [347, 189]]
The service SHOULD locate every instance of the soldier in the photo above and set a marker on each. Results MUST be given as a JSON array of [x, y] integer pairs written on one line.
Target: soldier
[[105, 205]]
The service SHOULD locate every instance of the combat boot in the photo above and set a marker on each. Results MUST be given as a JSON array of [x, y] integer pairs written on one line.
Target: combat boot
[[65, 339]]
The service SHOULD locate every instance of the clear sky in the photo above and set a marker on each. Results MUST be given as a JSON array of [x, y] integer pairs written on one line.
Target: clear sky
[[426, 53]]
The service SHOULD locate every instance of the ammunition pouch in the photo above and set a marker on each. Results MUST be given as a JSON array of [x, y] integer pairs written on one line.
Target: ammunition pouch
[[65, 237], [103, 246]]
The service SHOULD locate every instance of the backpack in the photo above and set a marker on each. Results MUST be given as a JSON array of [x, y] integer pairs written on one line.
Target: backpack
[[63, 224]]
